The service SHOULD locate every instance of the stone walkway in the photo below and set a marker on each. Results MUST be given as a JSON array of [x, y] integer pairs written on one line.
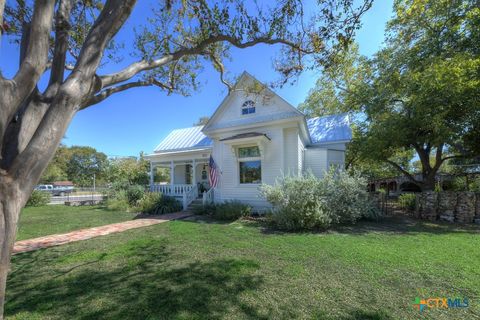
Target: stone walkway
[[84, 234]]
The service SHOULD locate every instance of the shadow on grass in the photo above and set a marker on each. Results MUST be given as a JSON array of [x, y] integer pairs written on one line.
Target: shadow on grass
[[205, 219], [406, 225], [393, 225], [137, 282]]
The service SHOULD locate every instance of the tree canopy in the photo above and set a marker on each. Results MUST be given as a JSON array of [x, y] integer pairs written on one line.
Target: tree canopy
[[419, 93], [77, 164], [128, 171]]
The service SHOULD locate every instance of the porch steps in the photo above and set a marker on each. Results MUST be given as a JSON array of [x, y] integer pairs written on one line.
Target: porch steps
[[195, 204]]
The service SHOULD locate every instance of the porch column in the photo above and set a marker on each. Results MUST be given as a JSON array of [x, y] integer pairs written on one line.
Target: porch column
[[194, 173], [152, 167], [172, 173]]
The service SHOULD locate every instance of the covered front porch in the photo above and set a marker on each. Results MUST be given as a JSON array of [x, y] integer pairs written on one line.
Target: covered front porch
[[188, 176]]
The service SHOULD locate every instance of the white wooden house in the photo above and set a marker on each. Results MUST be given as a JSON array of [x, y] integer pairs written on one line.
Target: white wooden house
[[254, 137]]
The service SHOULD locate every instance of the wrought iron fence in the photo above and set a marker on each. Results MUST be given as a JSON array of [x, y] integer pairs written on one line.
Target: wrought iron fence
[[385, 203]]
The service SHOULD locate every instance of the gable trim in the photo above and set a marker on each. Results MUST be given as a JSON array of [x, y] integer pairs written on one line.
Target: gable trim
[[222, 105]]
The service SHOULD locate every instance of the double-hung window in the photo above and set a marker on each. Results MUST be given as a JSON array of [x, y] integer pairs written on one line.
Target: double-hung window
[[250, 165]]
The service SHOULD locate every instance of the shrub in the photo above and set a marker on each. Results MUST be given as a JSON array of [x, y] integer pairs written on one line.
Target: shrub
[[38, 198], [297, 204], [208, 209], [346, 197], [475, 185], [124, 197], [118, 201], [231, 210], [459, 184], [156, 203], [148, 203], [306, 202], [134, 193], [407, 201], [226, 211]]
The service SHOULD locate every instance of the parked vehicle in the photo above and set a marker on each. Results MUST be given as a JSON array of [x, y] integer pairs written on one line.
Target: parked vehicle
[[54, 190]]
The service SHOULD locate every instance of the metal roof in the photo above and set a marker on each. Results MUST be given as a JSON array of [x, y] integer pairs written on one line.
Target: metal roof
[[322, 130], [182, 139], [330, 128], [254, 120]]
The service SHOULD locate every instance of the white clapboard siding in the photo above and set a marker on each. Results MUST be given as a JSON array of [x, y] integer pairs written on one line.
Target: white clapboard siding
[[267, 108], [272, 168], [290, 154], [336, 158], [316, 161]]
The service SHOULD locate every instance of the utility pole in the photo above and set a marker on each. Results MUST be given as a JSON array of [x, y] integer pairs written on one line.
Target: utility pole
[[94, 182]]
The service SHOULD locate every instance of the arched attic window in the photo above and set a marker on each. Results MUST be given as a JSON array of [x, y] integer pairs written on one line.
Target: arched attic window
[[248, 107]]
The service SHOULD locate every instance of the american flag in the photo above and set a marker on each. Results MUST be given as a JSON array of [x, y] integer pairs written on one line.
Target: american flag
[[213, 176]]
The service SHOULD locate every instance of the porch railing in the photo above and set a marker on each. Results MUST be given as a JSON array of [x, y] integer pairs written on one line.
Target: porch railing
[[189, 196], [207, 197], [176, 190]]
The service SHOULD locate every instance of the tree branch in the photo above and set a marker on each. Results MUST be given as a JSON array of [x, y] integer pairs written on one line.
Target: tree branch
[[109, 91], [111, 18], [20, 131], [221, 69], [62, 27], [33, 56], [41, 147], [35, 61], [438, 157], [133, 69], [403, 171], [137, 67], [459, 156], [424, 158], [2, 8]]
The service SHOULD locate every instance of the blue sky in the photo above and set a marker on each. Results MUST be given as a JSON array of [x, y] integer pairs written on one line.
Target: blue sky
[[138, 119]]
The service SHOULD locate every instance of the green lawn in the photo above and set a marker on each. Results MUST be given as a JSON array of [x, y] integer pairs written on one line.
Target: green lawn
[[42, 221], [198, 270]]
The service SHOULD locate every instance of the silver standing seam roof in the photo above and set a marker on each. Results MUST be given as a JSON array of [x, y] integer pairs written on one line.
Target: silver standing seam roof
[[184, 139], [326, 129], [330, 129]]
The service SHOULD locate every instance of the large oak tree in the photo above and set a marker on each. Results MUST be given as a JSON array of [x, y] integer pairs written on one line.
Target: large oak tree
[[67, 40], [420, 94]]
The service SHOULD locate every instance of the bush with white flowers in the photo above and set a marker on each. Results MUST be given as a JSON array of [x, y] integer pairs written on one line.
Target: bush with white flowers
[[308, 202]]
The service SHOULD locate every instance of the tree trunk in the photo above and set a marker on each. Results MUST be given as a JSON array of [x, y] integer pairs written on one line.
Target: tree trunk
[[17, 185], [428, 183], [11, 202]]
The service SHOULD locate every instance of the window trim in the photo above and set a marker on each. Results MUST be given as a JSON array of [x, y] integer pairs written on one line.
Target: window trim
[[247, 159], [249, 146]]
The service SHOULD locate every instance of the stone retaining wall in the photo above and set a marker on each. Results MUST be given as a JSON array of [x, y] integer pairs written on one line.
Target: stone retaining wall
[[462, 207]]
